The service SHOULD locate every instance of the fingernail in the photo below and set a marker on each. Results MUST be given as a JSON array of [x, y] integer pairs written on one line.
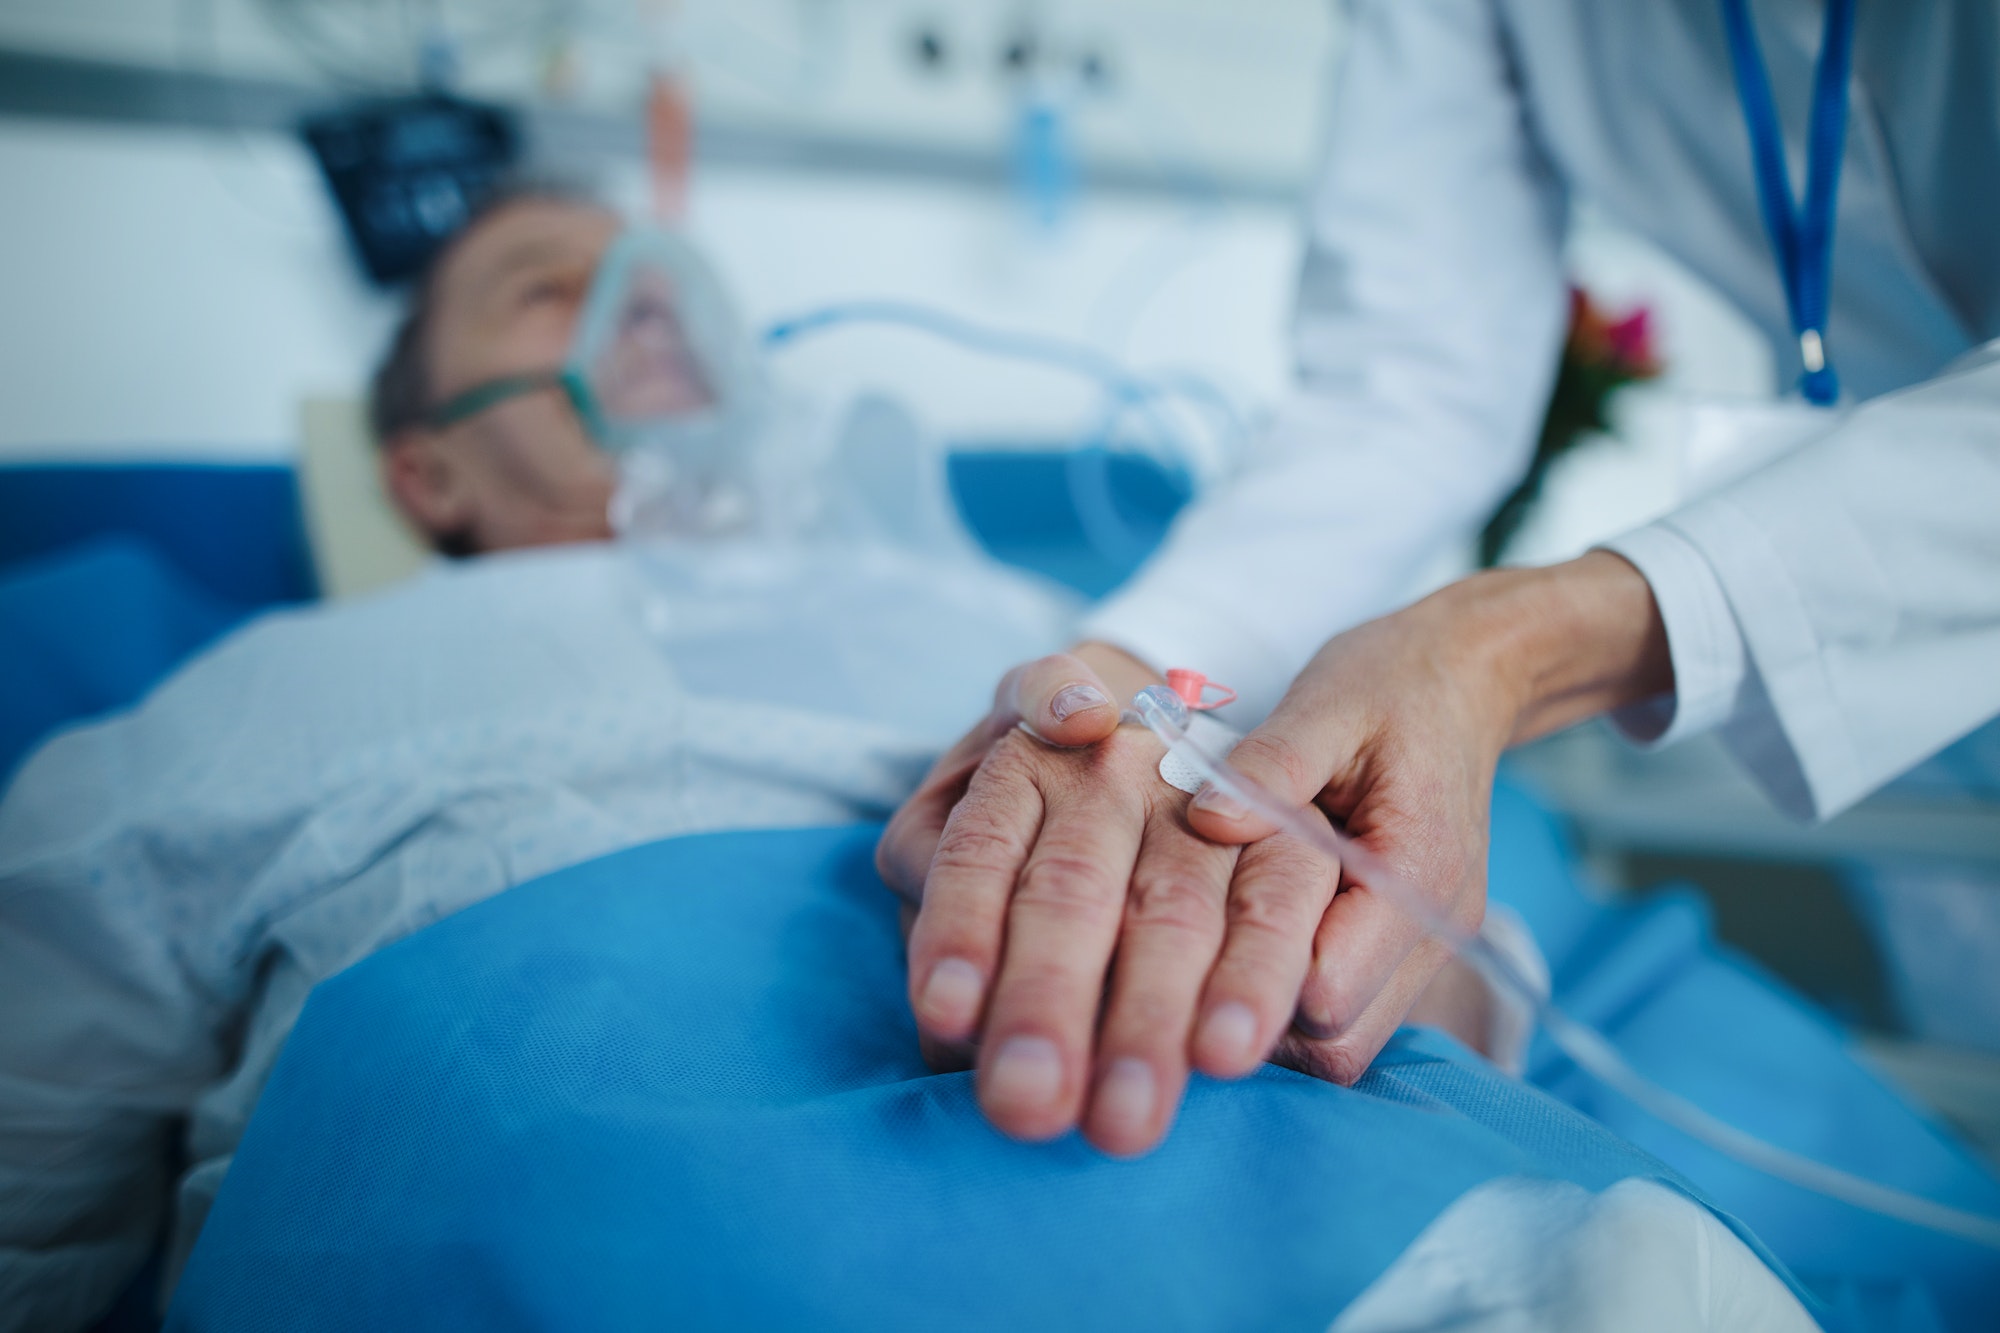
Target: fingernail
[[1218, 802], [1073, 699], [1126, 1096], [1229, 1031], [1026, 1075], [951, 995]]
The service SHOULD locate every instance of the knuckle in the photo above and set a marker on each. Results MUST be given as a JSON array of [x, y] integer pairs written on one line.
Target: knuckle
[[1287, 856], [973, 844], [1054, 995], [935, 934], [1066, 885], [1148, 1025], [1264, 914], [1334, 1061], [1340, 1063], [1012, 761], [1172, 902]]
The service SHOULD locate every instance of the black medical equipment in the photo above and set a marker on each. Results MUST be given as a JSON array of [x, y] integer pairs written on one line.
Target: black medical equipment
[[408, 172]]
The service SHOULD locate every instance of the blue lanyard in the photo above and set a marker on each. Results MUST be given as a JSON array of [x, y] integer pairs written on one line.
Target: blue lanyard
[[1802, 236]]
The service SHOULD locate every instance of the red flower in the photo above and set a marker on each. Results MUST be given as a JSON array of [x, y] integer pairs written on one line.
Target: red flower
[[1632, 338], [1621, 349]]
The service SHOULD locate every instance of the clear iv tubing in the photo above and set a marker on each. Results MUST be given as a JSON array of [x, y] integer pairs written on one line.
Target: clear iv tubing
[[1104, 527], [1166, 716], [1129, 392]]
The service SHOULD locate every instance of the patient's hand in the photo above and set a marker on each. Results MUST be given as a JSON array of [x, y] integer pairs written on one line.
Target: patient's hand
[[1032, 864]]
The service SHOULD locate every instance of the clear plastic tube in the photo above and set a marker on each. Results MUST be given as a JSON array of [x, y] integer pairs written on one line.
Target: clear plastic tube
[[1204, 455], [1166, 716]]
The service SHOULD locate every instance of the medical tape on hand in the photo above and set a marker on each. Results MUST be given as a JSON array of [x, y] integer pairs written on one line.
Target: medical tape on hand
[[1214, 736]]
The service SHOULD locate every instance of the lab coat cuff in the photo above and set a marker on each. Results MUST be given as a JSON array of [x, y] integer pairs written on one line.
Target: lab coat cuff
[[1789, 729], [1703, 639], [1164, 629]]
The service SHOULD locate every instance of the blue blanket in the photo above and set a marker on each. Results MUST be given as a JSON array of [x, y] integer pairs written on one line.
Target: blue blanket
[[679, 1086], [89, 630], [1716, 1028]]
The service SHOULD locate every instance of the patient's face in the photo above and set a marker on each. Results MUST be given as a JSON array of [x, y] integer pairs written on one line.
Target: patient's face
[[522, 473]]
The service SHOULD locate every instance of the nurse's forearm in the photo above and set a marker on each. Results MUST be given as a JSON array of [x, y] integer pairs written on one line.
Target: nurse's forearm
[[1558, 644]]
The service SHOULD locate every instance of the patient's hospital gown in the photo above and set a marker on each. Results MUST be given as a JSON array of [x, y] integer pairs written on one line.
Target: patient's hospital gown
[[174, 881]]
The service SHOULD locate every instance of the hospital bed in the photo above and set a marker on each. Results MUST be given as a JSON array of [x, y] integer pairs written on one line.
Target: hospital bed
[[1612, 959], [113, 573]]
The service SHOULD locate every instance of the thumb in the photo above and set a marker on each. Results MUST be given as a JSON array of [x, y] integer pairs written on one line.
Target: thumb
[[1061, 700], [1290, 759]]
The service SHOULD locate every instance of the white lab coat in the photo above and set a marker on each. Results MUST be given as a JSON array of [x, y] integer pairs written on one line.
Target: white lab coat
[[1839, 612]]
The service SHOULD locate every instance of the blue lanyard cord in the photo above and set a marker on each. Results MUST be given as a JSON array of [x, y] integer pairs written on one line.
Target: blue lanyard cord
[[1801, 237]]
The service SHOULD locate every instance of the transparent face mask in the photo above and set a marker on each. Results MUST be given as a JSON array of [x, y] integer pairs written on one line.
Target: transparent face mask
[[663, 378], [666, 380]]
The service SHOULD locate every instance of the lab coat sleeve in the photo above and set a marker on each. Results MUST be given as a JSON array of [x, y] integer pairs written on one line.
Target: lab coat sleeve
[[1863, 572], [1711, 669], [1430, 311]]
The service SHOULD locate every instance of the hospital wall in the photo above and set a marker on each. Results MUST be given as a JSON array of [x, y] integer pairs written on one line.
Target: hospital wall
[[177, 292]]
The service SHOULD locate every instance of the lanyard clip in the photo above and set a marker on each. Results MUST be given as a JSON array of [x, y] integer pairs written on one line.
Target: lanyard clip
[[1819, 385], [1812, 350]]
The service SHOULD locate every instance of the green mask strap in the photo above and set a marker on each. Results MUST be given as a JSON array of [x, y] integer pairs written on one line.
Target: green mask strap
[[464, 406]]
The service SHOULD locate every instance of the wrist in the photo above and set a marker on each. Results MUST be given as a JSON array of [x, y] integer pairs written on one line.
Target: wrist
[[1555, 645]]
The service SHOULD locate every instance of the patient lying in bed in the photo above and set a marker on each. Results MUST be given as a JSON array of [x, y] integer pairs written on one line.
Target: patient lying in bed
[[175, 881]]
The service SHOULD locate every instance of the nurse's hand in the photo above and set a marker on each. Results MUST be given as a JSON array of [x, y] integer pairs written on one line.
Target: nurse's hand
[[1395, 729], [1034, 860]]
